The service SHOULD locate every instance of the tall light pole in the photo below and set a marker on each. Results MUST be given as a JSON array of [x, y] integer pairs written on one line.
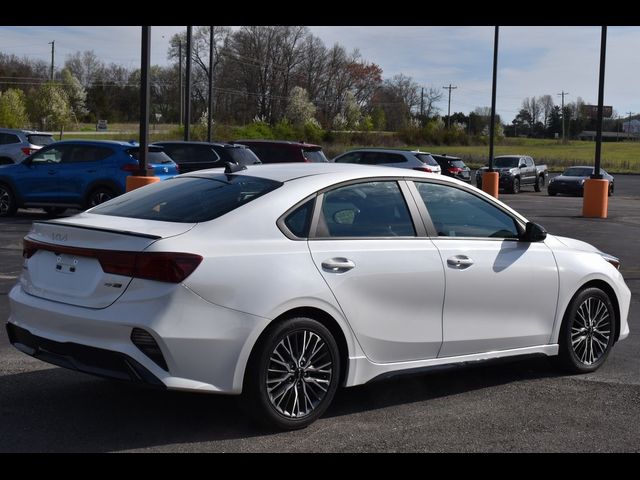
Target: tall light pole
[[490, 179], [210, 109], [180, 93], [53, 50], [595, 202], [629, 124], [187, 88], [449, 109], [563, 94]]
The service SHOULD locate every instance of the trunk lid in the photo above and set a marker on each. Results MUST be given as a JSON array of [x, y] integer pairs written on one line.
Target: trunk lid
[[65, 260]]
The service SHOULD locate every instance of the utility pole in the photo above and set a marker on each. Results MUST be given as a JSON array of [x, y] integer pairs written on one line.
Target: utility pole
[[563, 94], [210, 109], [187, 88], [449, 109], [53, 49], [180, 79], [422, 103], [629, 123]]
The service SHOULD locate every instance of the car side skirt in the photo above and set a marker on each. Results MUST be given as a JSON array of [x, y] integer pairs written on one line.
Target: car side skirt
[[362, 370]]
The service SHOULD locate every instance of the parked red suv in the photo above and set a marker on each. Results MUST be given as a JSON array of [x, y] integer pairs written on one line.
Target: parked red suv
[[278, 151]]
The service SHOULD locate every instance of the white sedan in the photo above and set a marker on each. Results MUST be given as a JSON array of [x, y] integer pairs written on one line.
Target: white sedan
[[283, 282]]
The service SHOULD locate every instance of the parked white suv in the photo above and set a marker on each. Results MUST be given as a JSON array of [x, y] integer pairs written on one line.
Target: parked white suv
[[16, 145]]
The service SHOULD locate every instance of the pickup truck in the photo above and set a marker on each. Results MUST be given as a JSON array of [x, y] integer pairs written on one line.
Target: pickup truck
[[516, 171]]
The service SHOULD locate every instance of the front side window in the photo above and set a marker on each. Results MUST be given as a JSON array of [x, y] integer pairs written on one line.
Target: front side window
[[373, 209], [49, 155], [458, 213]]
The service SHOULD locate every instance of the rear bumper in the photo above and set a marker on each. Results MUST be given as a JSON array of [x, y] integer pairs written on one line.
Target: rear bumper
[[206, 346], [95, 361]]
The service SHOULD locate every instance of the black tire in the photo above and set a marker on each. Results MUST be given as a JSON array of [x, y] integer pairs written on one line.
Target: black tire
[[515, 185], [551, 193], [539, 183], [610, 189], [273, 409], [6, 161], [578, 358], [8, 205], [98, 196], [54, 210]]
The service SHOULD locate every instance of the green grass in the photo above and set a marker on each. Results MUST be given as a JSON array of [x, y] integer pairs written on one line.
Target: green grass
[[619, 157]]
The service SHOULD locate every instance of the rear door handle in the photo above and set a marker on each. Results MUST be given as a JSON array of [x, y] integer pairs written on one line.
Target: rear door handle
[[459, 262], [338, 265]]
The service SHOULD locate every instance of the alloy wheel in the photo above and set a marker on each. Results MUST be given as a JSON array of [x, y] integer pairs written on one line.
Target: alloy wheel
[[299, 374], [591, 330]]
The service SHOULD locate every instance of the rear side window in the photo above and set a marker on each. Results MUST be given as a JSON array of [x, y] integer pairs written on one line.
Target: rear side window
[[299, 221], [427, 159], [315, 156], [373, 209], [188, 199], [352, 157], [78, 154], [40, 140], [380, 158], [243, 156], [8, 138], [273, 155]]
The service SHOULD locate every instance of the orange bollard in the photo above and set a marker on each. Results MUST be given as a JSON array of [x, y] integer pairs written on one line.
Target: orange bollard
[[134, 182], [490, 183], [595, 203]]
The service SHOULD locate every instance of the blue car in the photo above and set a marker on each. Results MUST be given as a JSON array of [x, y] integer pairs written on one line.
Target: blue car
[[75, 174]]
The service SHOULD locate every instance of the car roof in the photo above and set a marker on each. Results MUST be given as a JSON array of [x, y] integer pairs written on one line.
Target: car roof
[[387, 150], [114, 143], [26, 132], [284, 172], [193, 142], [277, 142]]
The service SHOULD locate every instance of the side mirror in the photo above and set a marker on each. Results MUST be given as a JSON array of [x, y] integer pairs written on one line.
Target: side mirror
[[533, 233], [522, 165]]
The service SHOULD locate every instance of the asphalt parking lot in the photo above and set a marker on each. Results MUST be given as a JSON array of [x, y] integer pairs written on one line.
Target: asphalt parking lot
[[524, 406]]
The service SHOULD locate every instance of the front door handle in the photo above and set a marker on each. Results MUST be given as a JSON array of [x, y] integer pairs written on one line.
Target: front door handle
[[337, 265], [459, 262]]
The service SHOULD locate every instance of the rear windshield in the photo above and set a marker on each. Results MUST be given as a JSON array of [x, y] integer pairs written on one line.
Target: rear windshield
[[188, 199], [426, 158], [155, 155], [40, 140], [315, 156], [243, 156], [457, 163]]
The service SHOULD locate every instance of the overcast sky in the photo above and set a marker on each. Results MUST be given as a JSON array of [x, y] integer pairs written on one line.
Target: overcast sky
[[531, 61]]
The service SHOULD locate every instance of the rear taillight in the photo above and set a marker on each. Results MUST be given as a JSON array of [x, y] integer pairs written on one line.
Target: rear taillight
[[170, 267], [454, 170], [28, 151], [130, 167], [424, 169]]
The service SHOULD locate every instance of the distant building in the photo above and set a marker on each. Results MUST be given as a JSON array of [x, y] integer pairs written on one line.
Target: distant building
[[607, 136], [632, 126]]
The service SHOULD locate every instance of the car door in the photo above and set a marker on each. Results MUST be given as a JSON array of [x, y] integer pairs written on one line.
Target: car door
[[501, 293], [40, 181], [81, 165], [531, 170], [386, 276]]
